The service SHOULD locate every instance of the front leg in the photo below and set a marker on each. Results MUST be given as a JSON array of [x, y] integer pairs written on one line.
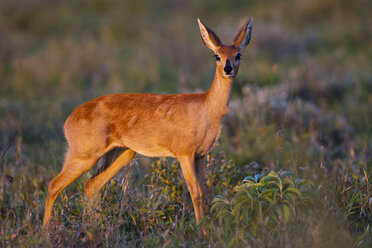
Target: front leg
[[188, 171], [199, 169]]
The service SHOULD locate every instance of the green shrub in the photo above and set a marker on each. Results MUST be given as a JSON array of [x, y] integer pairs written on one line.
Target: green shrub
[[261, 203]]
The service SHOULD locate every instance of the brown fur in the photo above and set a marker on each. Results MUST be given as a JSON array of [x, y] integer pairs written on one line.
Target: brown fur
[[184, 126]]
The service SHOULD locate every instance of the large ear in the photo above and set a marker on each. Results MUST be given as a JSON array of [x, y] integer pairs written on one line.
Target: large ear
[[244, 36], [210, 39]]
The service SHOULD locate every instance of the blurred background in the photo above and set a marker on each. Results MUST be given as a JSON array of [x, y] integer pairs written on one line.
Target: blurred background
[[301, 102]]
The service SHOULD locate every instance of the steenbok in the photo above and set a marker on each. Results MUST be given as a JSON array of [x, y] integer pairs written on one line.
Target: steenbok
[[184, 126]]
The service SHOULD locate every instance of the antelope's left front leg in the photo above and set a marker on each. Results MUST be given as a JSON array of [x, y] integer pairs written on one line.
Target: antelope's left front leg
[[199, 169]]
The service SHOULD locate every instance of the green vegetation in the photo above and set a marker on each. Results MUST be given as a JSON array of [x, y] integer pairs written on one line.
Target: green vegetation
[[260, 206], [300, 104]]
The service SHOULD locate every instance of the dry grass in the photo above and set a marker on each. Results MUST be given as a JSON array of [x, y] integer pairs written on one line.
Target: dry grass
[[301, 102]]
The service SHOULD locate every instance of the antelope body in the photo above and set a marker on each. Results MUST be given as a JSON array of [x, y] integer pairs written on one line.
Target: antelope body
[[184, 126]]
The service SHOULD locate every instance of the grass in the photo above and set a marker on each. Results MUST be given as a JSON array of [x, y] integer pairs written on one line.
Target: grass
[[300, 103]]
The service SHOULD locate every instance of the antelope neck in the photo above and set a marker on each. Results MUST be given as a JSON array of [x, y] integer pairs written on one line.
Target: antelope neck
[[218, 95]]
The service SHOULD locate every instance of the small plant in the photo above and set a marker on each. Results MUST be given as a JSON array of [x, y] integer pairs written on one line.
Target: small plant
[[261, 203], [349, 195], [167, 176]]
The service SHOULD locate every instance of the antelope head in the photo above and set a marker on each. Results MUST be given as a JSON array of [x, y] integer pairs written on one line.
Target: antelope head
[[227, 56]]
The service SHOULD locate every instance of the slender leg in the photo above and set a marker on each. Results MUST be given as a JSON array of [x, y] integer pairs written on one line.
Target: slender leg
[[107, 159], [199, 169], [93, 186], [73, 168], [188, 171]]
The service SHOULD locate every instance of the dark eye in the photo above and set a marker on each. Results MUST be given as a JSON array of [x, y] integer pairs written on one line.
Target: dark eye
[[238, 56], [217, 57]]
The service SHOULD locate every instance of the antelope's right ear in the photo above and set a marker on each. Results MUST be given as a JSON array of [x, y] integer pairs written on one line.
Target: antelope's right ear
[[210, 39]]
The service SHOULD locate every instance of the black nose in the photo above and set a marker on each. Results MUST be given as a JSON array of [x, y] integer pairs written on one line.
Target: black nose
[[227, 67]]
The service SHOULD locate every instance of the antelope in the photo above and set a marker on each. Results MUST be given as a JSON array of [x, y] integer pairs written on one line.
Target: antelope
[[184, 126]]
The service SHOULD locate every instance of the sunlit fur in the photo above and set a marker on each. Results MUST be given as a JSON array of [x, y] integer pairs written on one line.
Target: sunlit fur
[[184, 126]]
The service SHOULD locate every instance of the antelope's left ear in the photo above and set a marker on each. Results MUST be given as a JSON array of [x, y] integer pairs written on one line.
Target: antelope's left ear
[[244, 36]]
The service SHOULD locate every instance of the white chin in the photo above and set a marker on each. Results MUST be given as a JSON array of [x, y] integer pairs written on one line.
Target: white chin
[[229, 75]]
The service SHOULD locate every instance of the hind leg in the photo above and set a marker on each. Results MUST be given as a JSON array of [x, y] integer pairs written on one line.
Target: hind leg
[[93, 186], [107, 159], [73, 168]]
